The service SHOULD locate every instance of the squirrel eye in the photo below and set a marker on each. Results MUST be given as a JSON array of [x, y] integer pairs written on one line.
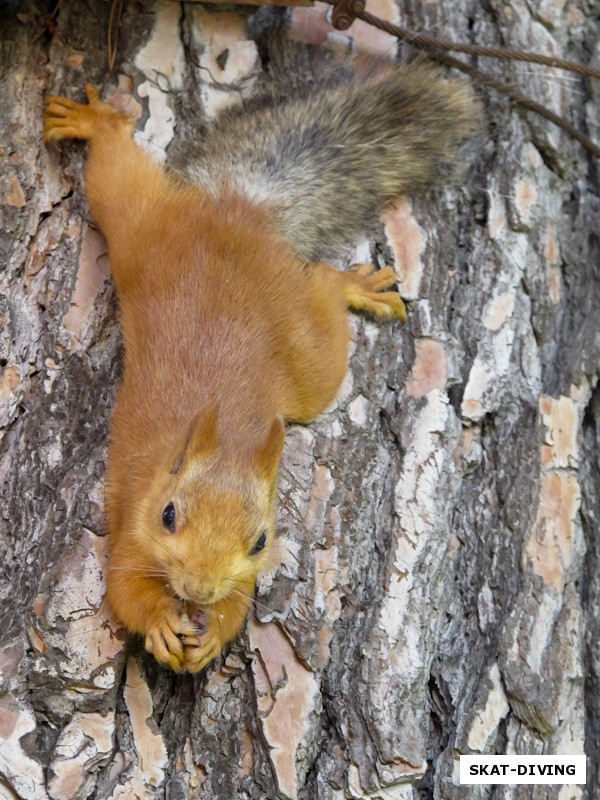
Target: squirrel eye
[[168, 517], [259, 544]]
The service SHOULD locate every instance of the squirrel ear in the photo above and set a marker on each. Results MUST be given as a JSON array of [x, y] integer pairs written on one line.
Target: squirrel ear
[[266, 460], [201, 438]]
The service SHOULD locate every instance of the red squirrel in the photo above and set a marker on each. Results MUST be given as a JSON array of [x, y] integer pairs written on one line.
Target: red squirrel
[[229, 332]]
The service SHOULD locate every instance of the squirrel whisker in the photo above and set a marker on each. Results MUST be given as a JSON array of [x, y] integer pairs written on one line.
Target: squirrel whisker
[[163, 545], [253, 600], [141, 571]]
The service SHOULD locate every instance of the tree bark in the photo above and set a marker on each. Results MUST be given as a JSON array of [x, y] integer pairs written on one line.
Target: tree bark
[[436, 591]]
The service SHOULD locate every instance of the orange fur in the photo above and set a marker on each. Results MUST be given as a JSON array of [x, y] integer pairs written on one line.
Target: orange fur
[[227, 333]]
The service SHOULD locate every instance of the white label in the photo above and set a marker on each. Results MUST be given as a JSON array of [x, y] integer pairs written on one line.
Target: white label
[[522, 769]]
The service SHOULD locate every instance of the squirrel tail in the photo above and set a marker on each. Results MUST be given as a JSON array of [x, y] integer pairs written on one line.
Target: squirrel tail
[[328, 163]]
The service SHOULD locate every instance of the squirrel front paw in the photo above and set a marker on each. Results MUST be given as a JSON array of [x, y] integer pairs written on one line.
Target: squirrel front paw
[[66, 119], [207, 643], [168, 629]]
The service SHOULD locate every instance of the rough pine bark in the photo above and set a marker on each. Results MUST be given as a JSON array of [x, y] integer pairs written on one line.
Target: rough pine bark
[[437, 586]]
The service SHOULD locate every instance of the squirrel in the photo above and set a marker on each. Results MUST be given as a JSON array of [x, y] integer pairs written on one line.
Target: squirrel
[[234, 324]]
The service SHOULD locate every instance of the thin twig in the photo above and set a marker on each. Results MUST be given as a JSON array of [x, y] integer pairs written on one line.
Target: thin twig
[[433, 46], [114, 21]]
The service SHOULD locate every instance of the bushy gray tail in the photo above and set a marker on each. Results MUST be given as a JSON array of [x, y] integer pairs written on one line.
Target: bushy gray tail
[[329, 162]]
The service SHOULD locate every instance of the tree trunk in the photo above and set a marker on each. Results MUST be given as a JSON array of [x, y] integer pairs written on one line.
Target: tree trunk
[[437, 590]]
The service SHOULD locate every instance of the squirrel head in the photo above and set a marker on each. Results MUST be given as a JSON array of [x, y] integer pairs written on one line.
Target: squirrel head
[[208, 523]]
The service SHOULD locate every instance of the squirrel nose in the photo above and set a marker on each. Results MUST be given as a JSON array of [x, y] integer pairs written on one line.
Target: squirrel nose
[[198, 592]]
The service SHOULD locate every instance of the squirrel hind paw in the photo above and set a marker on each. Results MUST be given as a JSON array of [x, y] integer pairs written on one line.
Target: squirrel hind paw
[[66, 119], [363, 292], [383, 305]]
